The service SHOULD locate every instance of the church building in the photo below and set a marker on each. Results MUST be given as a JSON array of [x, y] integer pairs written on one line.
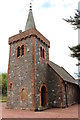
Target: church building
[[33, 80]]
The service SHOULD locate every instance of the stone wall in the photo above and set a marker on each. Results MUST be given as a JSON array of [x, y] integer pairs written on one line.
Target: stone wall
[[40, 69], [20, 76], [61, 95], [70, 92], [73, 94], [54, 88]]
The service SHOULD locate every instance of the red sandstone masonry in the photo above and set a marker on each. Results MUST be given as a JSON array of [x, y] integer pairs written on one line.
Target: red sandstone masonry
[[20, 45], [62, 97], [40, 53], [46, 93], [29, 33], [67, 89], [33, 72]]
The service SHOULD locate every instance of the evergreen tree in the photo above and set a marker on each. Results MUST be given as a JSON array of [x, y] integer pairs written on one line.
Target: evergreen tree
[[75, 21]]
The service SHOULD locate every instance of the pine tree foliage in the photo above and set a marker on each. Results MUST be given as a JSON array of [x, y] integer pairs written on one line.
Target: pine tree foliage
[[75, 21], [76, 52]]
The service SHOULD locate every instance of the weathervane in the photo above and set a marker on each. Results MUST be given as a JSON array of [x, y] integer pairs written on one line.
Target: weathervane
[[30, 5]]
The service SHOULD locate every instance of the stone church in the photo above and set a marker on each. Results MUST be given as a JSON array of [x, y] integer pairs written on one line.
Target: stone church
[[33, 80]]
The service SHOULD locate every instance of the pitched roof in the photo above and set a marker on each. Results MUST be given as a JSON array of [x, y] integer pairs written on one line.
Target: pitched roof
[[62, 73], [30, 21]]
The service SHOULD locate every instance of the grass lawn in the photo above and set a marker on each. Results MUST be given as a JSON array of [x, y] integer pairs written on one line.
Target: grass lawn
[[3, 98]]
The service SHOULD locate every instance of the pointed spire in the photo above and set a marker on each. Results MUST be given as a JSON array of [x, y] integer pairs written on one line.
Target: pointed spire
[[30, 21]]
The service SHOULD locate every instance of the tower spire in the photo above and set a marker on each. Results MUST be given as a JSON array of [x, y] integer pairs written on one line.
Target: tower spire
[[30, 20]]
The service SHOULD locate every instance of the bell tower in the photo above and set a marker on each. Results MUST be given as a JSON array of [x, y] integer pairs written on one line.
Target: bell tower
[[27, 68]]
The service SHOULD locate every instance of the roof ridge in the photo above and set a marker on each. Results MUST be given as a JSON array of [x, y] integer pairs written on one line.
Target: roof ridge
[[54, 63], [68, 72], [64, 69]]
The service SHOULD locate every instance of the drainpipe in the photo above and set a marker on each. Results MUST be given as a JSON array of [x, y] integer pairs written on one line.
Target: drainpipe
[[66, 93]]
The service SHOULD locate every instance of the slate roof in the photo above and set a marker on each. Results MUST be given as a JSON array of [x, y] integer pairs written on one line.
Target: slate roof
[[62, 73], [30, 21]]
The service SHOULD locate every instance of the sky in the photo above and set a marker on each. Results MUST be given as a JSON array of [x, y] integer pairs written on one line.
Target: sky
[[48, 16]]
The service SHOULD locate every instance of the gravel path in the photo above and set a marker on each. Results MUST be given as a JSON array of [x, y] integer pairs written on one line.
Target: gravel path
[[70, 112]]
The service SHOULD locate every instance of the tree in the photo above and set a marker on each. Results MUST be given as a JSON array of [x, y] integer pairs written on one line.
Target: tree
[[4, 83], [75, 21], [76, 53]]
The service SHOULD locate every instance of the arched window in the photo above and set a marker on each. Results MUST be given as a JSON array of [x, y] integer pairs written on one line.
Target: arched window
[[18, 51], [43, 53], [22, 50], [11, 86], [40, 51]]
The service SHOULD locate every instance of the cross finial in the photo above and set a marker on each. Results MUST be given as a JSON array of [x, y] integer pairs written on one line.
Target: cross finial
[[30, 5]]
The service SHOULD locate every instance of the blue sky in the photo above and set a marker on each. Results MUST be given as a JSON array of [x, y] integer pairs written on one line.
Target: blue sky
[[48, 16], [47, 5]]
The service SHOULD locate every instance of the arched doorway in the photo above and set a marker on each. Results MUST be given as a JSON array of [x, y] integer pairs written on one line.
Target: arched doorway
[[43, 96]]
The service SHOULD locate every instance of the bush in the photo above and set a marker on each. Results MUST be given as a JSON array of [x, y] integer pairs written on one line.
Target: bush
[[3, 83]]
